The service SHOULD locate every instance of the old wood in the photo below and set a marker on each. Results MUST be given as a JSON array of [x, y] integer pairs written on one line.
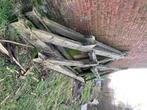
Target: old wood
[[105, 60], [40, 38], [36, 42], [55, 27], [30, 37], [99, 44], [64, 42], [64, 53], [61, 41], [92, 40], [71, 63], [103, 52], [105, 68], [64, 71], [62, 30], [16, 43], [60, 69], [35, 17], [94, 69], [4, 51]]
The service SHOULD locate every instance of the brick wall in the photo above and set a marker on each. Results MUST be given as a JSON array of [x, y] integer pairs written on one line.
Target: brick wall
[[118, 23]]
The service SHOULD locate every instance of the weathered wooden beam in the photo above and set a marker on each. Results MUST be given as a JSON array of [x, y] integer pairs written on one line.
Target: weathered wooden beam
[[105, 68], [99, 44], [62, 30], [93, 58], [26, 34], [55, 27], [64, 42], [106, 53], [105, 60], [38, 37], [61, 41], [35, 41], [92, 40], [35, 17], [60, 69], [31, 38], [71, 63]]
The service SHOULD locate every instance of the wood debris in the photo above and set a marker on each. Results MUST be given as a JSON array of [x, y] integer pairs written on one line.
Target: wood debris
[[55, 39]]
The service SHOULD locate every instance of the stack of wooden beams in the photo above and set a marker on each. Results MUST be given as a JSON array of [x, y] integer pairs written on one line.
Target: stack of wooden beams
[[57, 40]]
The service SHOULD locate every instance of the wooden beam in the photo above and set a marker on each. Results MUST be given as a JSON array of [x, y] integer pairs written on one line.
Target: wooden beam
[[99, 44], [34, 16], [105, 60], [60, 69], [92, 40], [105, 68], [64, 42], [61, 41], [55, 27], [71, 63], [25, 32], [106, 53], [93, 58], [38, 37]]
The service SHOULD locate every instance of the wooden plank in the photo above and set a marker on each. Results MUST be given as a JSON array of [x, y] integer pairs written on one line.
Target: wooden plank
[[105, 68], [35, 17], [64, 71], [103, 52], [57, 28], [38, 37], [26, 33], [64, 52], [60, 69], [71, 63], [64, 42], [99, 44], [62, 30], [61, 41], [35, 41], [92, 40], [105, 60], [94, 69]]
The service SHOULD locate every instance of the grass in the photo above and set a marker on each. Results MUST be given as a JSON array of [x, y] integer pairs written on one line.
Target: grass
[[5, 12], [32, 93]]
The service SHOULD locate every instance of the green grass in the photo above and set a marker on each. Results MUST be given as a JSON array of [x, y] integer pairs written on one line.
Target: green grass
[[5, 12], [32, 93]]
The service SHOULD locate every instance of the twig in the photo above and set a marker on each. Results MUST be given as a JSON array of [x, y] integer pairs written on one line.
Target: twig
[[4, 51], [28, 72], [17, 43], [5, 99]]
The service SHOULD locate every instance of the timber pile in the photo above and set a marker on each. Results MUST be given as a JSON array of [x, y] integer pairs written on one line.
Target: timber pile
[[57, 41], [66, 51]]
